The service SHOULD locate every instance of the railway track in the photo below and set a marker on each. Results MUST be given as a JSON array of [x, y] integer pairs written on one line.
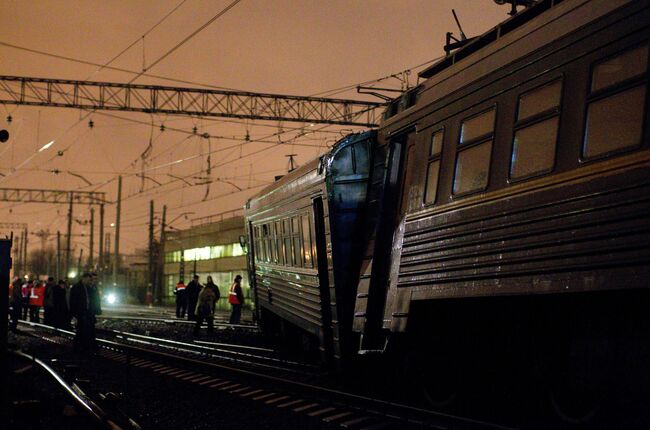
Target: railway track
[[288, 387], [96, 410], [144, 320]]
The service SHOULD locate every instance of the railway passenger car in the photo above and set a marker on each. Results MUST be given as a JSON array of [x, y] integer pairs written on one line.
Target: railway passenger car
[[522, 219], [305, 233], [505, 219]]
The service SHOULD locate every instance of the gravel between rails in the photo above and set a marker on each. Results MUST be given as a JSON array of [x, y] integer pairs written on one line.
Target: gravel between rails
[[159, 402]]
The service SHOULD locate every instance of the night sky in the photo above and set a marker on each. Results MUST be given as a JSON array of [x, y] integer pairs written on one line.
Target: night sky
[[273, 46]]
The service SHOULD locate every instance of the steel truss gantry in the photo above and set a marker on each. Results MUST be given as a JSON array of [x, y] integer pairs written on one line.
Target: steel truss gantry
[[13, 226], [29, 195], [186, 101]]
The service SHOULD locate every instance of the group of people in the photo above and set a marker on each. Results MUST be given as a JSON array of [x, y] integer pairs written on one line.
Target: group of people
[[200, 301], [31, 295], [61, 303]]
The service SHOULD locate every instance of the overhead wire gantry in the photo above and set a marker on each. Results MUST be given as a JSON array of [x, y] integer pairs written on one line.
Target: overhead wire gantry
[[187, 101]]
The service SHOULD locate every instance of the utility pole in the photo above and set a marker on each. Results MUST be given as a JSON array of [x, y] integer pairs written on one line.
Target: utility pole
[[18, 252], [81, 256], [68, 238], [151, 271], [58, 255], [107, 249], [92, 237], [101, 241], [25, 251], [161, 256], [117, 230]]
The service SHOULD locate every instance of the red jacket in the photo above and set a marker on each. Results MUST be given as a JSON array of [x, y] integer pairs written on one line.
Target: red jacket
[[37, 296]]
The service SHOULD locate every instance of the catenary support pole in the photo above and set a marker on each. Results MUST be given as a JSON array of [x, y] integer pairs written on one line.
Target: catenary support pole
[[100, 256], [68, 251], [160, 261], [151, 279], [25, 242], [91, 256], [58, 255], [116, 254]]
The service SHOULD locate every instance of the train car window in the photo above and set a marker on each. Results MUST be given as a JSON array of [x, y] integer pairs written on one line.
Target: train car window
[[306, 240], [436, 143], [295, 225], [295, 252], [473, 159], [287, 251], [278, 242], [616, 105], [274, 244], [285, 226], [620, 68], [361, 161], [342, 163], [539, 100], [433, 169], [478, 126], [536, 130]]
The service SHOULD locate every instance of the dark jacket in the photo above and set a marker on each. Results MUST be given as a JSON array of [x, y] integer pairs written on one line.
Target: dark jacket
[[205, 303], [49, 294], [192, 290], [17, 293], [84, 300], [215, 290]]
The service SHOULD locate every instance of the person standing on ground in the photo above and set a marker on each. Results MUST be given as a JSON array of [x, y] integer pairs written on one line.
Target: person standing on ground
[[193, 289], [48, 302], [84, 306], [236, 299], [61, 316], [26, 291], [205, 309], [15, 303], [215, 289], [36, 296], [181, 299]]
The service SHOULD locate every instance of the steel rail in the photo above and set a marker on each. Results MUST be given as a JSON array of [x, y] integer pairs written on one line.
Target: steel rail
[[96, 412], [174, 321], [374, 406]]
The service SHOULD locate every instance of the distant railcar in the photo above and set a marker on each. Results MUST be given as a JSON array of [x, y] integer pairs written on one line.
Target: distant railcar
[[305, 236], [506, 220]]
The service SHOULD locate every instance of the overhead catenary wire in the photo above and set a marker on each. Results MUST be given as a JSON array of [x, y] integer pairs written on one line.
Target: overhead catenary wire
[[146, 33], [187, 38]]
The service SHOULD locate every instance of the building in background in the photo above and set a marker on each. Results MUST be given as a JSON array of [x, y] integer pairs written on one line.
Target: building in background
[[211, 247], [137, 277]]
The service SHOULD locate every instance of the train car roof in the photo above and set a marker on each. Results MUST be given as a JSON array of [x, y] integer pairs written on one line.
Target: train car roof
[[498, 48], [305, 175], [490, 36]]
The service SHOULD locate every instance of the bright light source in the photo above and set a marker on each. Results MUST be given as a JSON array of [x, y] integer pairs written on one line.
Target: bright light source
[[112, 224], [72, 274], [47, 145], [111, 299]]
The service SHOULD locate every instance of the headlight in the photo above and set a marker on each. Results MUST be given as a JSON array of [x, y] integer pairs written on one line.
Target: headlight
[[111, 299]]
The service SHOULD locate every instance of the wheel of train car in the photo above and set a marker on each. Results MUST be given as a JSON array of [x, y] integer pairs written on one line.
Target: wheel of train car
[[575, 349], [436, 374]]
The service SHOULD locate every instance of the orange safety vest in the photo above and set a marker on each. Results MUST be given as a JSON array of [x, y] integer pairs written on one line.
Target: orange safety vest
[[37, 296]]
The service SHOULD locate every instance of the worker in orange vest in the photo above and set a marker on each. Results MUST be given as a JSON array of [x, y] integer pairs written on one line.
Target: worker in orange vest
[[36, 297], [181, 299]]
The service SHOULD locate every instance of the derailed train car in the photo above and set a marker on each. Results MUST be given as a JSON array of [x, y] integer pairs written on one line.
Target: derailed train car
[[506, 218], [305, 238]]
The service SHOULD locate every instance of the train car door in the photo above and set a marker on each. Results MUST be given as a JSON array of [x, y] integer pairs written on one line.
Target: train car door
[[327, 338], [395, 201]]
